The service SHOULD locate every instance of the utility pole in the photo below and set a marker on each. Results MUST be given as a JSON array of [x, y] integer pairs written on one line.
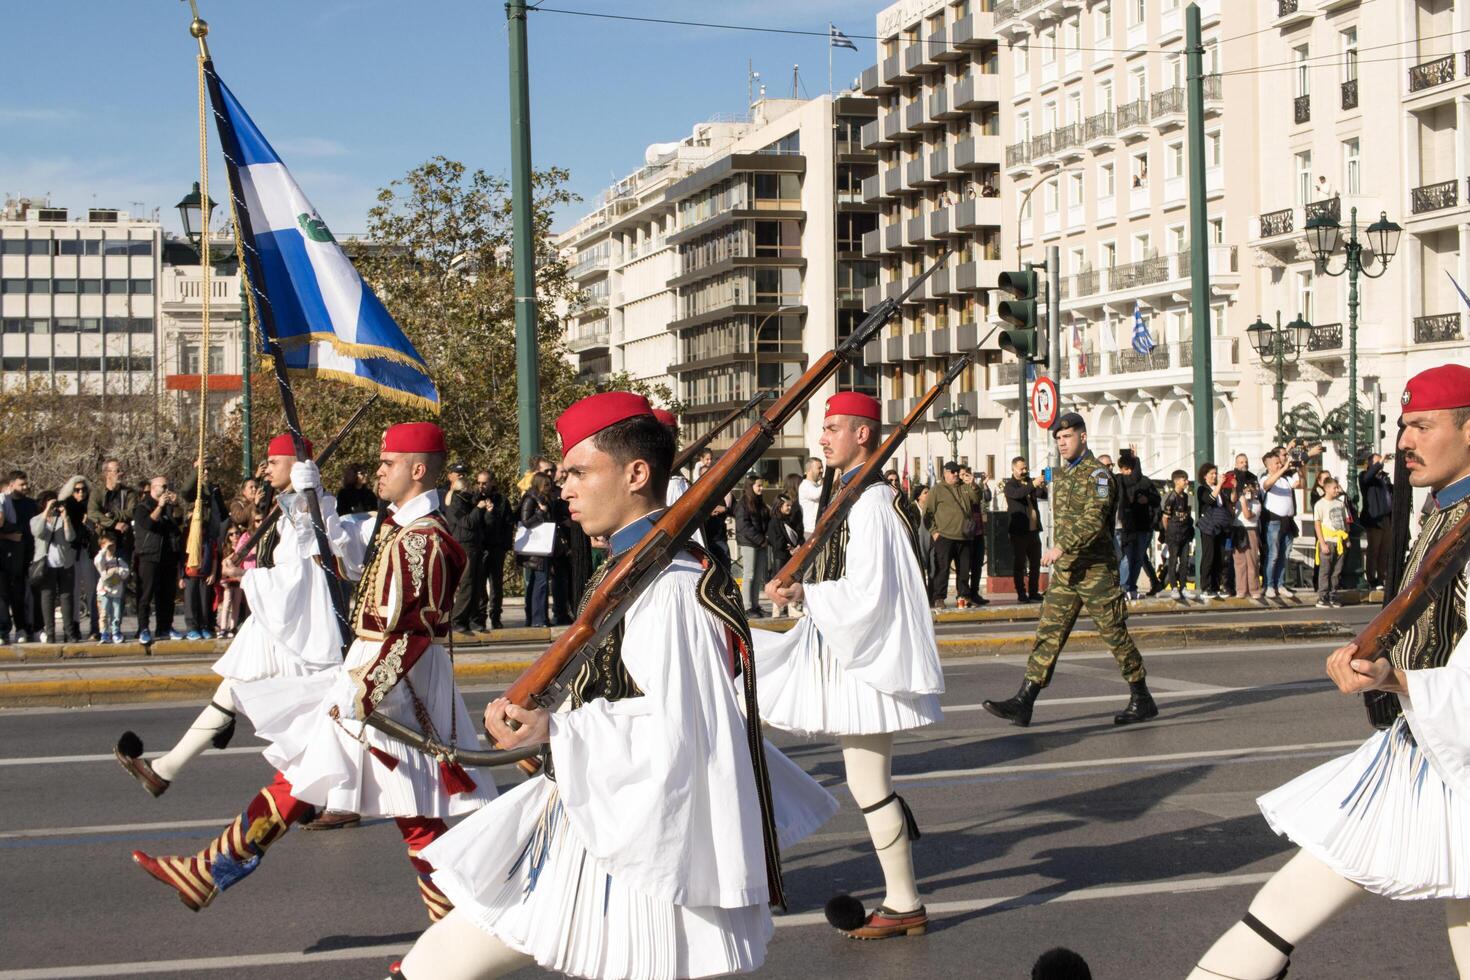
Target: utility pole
[[1054, 337], [523, 245], [1199, 259]]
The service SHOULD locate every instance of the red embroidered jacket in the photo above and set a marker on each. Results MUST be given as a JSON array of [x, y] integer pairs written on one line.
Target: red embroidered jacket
[[404, 601]]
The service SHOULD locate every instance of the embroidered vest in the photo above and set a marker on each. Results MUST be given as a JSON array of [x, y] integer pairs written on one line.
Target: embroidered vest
[[1432, 638], [831, 564], [265, 548]]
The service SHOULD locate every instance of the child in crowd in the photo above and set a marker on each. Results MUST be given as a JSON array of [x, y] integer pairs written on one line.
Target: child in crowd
[[112, 577], [1329, 515], [231, 597], [1178, 533]]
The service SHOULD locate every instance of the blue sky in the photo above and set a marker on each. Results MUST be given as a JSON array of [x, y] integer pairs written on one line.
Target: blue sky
[[353, 93]]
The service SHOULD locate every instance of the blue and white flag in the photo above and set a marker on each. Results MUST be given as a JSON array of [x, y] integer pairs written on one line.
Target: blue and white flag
[[839, 39], [1143, 341], [310, 299], [1458, 289]]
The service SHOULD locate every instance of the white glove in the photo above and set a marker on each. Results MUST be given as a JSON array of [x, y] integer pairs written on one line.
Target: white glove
[[305, 476], [343, 697]]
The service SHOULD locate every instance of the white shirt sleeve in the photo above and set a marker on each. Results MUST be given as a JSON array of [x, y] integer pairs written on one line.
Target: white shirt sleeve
[[1438, 710]]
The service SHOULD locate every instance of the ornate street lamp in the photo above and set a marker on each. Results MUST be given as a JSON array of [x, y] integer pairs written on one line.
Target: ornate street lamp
[[1324, 235], [195, 212], [954, 422], [1279, 347]]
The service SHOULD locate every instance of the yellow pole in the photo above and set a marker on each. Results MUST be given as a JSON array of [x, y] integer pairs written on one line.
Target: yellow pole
[[194, 551]]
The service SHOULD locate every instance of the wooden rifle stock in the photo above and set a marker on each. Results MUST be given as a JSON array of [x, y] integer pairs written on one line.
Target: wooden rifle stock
[[543, 683], [835, 512], [1445, 559], [689, 452], [248, 545]]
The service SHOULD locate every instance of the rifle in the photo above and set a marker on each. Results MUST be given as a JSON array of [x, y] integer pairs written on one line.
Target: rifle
[[1445, 559], [248, 545], [867, 474], [689, 452], [543, 684]]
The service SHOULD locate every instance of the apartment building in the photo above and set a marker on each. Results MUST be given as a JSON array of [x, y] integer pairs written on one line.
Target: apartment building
[[938, 137], [1096, 164], [771, 271], [181, 312], [79, 299], [731, 260]]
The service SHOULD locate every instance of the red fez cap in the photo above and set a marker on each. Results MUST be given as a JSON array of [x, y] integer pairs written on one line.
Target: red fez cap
[[414, 437], [666, 418], [282, 445], [596, 412], [854, 403], [1446, 386]]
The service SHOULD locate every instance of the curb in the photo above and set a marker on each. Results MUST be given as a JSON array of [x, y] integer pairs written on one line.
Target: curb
[[83, 692]]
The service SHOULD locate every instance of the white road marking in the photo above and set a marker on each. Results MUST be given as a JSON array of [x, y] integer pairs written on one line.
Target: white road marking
[[53, 760], [1196, 692], [388, 952], [115, 828], [1264, 751]]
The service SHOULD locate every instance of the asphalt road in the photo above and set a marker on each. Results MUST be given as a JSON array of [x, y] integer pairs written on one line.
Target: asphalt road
[[1136, 846]]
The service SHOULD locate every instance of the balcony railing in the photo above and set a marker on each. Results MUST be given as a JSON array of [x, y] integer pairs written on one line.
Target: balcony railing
[[1043, 145], [1350, 94], [1285, 8], [1133, 114], [1329, 208], [1168, 102], [1325, 336], [1223, 259], [1214, 90], [1132, 362], [1437, 329], [1275, 223], [1081, 284], [1066, 137], [1301, 109], [1434, 197], [1100, 126], [1432, 73], [1141, 273], [1018, 153]]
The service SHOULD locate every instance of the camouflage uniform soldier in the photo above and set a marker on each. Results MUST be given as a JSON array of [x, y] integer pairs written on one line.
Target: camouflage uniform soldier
[[1084, 573]]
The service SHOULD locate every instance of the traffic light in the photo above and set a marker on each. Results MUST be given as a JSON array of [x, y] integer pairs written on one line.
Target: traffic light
[[1021, 338]]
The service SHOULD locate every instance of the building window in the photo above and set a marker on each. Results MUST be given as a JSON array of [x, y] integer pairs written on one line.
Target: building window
[[1106, 180], [1350, 55], [1074, 34], [1105, 95], [1049, 46], [1351, 167], [1303, 72], [1140, 171], [38, 287], [1217, 231], [1213, 150], [1304, 177], [1174, 159], [13, 246], [1103, 22], [1107, 255], [93, 287], [1053, 196], [1021, 55], [1138, 12], [142, 287], [12, 285], [1304, 294], [1074, 192], [38, 246]]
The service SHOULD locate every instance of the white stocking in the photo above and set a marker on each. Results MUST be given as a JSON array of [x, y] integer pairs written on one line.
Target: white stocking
[[1303, 895], [870, 780], [211, 721], [1457, 919], [454, 948]]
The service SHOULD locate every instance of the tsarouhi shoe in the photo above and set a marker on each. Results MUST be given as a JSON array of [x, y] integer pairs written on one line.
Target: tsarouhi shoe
[[1017, 709], [1141, 706], [129, 755], [846, 914]]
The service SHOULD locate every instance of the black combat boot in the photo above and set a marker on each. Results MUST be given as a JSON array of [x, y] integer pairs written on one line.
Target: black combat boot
[[1017, 709], [1141, 705]]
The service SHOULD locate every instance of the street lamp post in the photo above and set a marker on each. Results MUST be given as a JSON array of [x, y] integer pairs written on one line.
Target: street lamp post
[[1278, 348], [755, 343], [1324, 235], [954, 422]]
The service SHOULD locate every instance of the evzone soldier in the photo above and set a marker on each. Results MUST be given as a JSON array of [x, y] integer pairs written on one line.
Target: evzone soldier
[[1084, 572], [861, 665], [292, 630], [324, 754], [642, 849], [1393, 817]]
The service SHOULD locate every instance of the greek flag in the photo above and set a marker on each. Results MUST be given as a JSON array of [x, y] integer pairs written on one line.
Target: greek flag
[[309, 297], [839, 39], [1142, 341], [1458, 289]]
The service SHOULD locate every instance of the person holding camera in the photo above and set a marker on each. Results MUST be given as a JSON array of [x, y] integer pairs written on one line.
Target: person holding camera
[[1279, 485], [1247, 533], [52, 575], [159, 552]]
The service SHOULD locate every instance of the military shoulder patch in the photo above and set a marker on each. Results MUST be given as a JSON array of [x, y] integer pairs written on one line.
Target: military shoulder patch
[[1103, 480]]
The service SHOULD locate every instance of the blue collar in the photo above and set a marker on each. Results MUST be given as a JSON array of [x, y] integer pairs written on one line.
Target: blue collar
[[1454, 493], [846, 478], [1072, 464], [629, 535]]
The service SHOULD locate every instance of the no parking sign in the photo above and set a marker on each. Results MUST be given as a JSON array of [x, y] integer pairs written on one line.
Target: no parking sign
[[1044, 402]]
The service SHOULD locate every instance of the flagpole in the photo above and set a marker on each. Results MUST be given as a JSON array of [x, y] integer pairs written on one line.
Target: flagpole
[[830, 28], [265, 317]]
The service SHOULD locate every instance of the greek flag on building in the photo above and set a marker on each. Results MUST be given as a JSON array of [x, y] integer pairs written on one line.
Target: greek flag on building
[[839, 39], [1143, 341], [308, 296]]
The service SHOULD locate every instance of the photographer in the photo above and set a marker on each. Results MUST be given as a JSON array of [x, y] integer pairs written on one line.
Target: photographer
[[1247, 506], [1376, 491], [158, 550], [500, 527], [53, 576], [1279, 484], [467, 526]]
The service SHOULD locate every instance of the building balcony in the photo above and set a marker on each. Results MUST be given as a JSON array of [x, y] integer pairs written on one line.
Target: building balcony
[[872, 189], [939, 341], [587, 337], [1214, 94], [1330, 208], [939, 48], [1160, 278], [918, 345], [1349, 95], [891, 72], [892, 181], [872, 82], [1430, 74], [976, 213], [913, 60], [915, 231], [1325, 339], [892, 126], [1081, 284], [1301, 110], [978, 275], [941, 109], [589, 266], [1275, 224], [963, 35], [892, 237], [872, 136], [940, 283], [938, 166], [1100, 131], [1435, 197], [1018, 156], [936, 110], [913, 115], [873, 243], [1168, 109], [939, 224], [1290, 13], [1134, 275], [974, 91], [1066, 141], [1441, 328], [913, 174], [1133, 120]]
